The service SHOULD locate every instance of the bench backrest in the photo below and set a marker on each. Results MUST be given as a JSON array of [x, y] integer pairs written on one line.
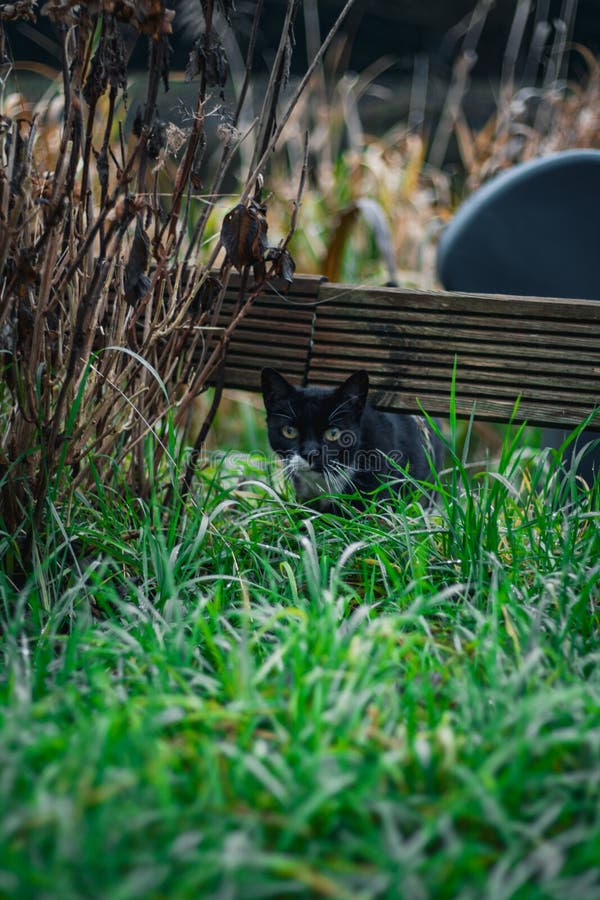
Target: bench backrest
[[544, 351]]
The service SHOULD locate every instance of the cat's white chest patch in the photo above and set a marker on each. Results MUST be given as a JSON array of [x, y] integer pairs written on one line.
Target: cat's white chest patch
[[308, 484]]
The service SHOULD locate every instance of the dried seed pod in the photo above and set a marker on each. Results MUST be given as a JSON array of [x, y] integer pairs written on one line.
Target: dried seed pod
[[244, 234], [208, 56], [108, 63], [283, 263], [62, 12], [135, 280], [228, 134], [148, 16], [21, 9], [206, 296]]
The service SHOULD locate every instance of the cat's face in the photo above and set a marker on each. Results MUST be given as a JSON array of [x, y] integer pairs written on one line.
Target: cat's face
[[315, 431]]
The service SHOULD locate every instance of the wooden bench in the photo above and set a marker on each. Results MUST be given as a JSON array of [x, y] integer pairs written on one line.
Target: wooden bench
[[542, 351]]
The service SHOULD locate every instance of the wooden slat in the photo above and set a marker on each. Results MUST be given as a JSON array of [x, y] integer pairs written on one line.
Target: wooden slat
[[517, 345], [544, 350], [304, 290], [526, 335], [275, 331], [477, 380], [348, 297]]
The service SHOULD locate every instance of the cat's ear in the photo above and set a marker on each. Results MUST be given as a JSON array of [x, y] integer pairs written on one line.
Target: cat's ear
[[275, 388], [355, 389]]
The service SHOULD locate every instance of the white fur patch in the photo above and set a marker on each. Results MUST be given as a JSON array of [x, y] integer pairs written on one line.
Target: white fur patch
[[307, 483], [310, 485]]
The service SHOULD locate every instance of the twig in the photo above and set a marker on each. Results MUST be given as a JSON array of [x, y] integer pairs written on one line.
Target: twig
[[285, 117]]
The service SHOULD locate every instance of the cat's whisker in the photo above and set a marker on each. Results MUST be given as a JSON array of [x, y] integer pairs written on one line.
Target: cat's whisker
[[342, 468], [331, 482], [341, 476]]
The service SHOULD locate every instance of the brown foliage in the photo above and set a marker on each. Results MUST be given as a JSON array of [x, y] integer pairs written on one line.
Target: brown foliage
[[108, 307]]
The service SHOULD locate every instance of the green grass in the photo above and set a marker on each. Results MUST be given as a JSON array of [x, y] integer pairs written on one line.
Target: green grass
[[237, 697]]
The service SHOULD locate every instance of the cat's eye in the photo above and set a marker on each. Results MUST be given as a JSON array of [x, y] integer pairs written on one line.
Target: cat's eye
[[289, 432], [333, 434]]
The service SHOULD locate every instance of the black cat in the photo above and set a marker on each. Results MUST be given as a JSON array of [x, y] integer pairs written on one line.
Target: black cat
[[331, 441]]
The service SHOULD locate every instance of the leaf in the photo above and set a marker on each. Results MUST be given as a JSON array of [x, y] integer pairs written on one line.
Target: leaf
[[208, 56], [157, 133], [283, 263], [244, 234], [206, 295], [102, 169], [157, 138], [135, 280], [108, 63]]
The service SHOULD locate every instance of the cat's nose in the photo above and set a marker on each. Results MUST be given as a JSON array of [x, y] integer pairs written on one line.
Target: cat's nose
[[311, 454]]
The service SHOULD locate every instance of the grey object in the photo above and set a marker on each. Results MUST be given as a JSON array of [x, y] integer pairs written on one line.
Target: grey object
[[532, 231]]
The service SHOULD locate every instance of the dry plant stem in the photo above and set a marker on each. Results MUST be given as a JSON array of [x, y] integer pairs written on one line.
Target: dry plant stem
[[202, 435], [154, 69], [513, 46], [268, 112], [249, 56], [418, 93], [8, 224], [217, 357], [85, 305], [460, 79], [185, 167], [229, 151], [300, 191], [312, 32], [75, 129], [285, 116], [195, 141], [544, 117], [106, 209], [171, 366], [568, 15], [87, 147], [539, 38], [452, 107], [200, 225]]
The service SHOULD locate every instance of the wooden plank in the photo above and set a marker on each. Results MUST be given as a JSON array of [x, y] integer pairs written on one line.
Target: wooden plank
[[275, 331], [485, 408], [468, 381], [435, 359], [544, 350], [441, 358], [348, 318], [304, 289], [247, 378], [367, 298], [430, 341], [403, 333], [492, 380]]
